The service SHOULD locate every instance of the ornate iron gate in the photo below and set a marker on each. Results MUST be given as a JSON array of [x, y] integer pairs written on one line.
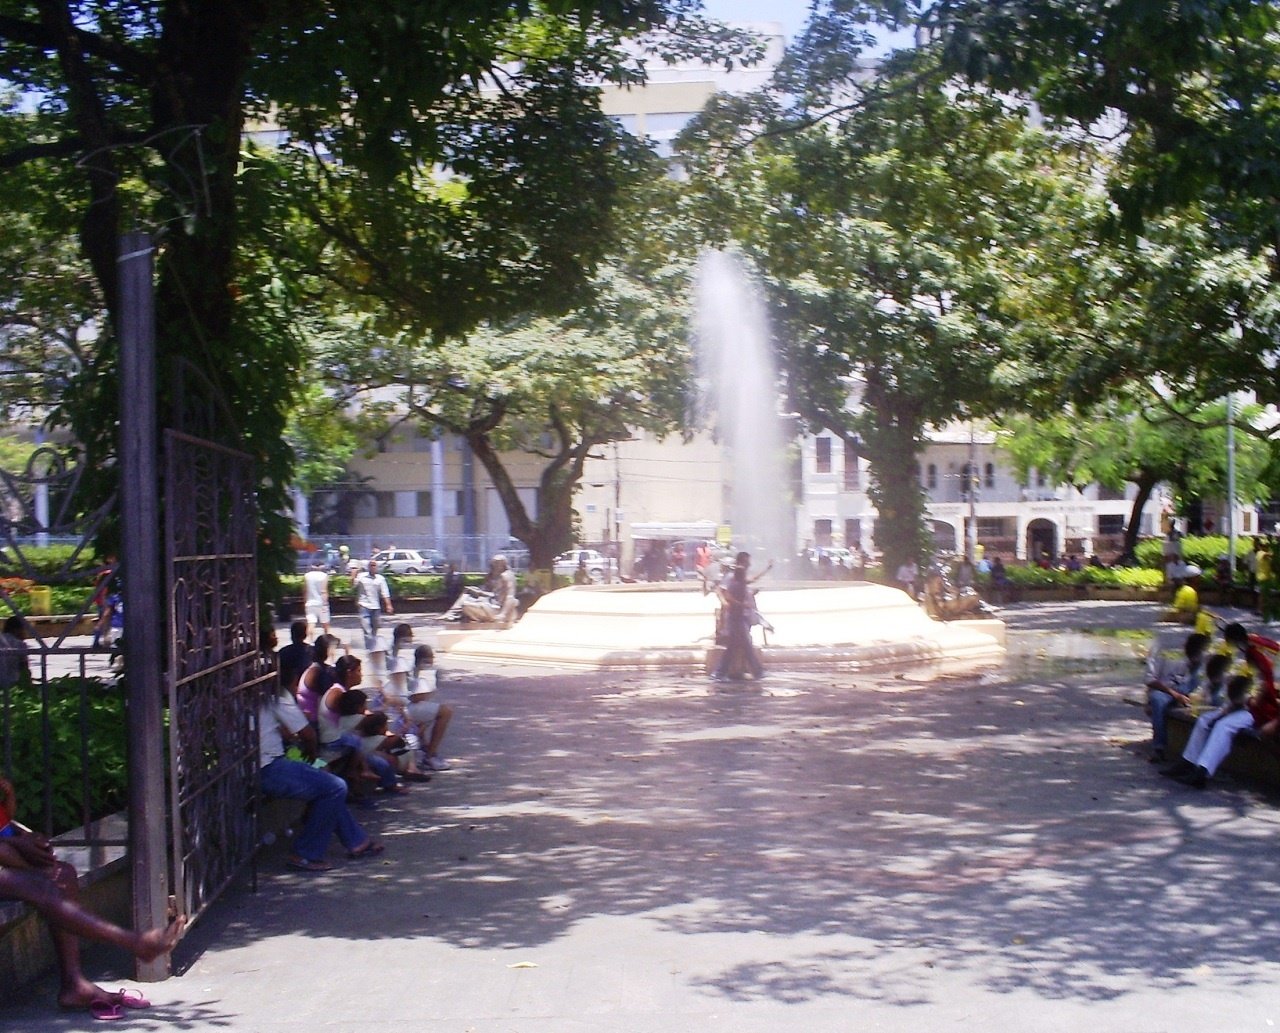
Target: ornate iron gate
[[216, 673]]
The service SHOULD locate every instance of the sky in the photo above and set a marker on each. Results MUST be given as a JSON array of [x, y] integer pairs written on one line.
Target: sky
[[791, 13]]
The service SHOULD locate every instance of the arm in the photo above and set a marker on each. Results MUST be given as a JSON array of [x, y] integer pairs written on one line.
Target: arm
[[386, 595]]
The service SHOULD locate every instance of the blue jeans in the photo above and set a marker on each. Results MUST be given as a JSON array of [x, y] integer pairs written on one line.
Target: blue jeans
[[369, 625], [1160, 702], [327, 794], [383, 768]]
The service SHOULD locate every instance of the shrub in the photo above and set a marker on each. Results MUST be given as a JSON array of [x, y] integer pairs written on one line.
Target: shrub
[[104, 737], [1202, 550], [1127, 577]]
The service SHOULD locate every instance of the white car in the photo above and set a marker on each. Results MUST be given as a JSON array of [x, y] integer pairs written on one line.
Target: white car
[[599, 566], [409, 561]]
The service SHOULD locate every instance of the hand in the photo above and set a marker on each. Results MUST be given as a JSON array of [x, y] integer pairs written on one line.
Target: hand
[[34, 849]]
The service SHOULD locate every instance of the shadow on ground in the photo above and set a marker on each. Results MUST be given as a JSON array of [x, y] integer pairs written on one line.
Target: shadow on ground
[[1014, 828]]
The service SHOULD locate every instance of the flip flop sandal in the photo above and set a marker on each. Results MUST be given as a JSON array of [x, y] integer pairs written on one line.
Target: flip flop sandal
[[105, 1011], [370, 849], [301, 865], [130, 998]]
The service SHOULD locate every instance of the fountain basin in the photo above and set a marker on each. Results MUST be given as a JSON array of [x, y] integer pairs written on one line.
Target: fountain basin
[[850, 625]]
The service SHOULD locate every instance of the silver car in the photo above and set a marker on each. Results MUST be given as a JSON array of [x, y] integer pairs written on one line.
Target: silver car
[[600, 567], [410, 561]]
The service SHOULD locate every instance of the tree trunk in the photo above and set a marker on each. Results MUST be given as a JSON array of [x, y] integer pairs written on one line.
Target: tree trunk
[[551, 533], [1146, 483], [891, 441]]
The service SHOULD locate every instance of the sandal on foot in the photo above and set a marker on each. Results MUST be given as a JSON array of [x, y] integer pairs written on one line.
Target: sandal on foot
[[130, 998], [301, 864], [370, 849]]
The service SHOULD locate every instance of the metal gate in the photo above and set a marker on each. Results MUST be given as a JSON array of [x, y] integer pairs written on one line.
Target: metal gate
[[216, 674]]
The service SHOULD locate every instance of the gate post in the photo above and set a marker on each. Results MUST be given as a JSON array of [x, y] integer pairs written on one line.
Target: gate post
[[144, 616]]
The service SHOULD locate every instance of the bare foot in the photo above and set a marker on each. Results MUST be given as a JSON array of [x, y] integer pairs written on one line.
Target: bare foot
[[155, 942], [84, 995]]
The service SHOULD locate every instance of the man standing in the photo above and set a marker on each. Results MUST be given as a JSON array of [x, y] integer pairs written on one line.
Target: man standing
[[315, 596], [372, 595]]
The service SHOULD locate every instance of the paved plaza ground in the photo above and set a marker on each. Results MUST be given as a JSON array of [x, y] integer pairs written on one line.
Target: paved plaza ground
[[651, 852]]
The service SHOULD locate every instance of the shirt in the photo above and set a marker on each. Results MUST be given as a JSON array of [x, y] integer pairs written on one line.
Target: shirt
[[279, 711], [371, 589]]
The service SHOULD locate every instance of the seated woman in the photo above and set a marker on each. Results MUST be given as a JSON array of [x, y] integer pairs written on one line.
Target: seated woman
[[29, 872], [944, 603], [318, 678], [497, 603], [342, 714], [428, 718]]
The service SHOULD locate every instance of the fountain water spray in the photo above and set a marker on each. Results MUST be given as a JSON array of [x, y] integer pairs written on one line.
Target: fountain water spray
[[739, 381]]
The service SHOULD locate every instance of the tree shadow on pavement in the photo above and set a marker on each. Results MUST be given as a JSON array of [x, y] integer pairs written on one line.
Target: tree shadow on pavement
[[1005, 828]]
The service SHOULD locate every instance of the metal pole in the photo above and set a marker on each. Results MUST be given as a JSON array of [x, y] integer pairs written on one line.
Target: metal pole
[[144, 621], [1231, 482], [971, 535]]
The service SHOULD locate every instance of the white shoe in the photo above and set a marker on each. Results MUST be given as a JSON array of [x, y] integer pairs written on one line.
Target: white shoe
[[437, 763]]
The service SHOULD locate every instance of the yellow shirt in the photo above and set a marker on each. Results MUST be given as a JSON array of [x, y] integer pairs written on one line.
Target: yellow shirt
[[1185, 600]]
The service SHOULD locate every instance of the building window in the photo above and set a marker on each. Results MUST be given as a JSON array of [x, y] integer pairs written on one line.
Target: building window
[[852, 477], [822, 532], [424, 504], [1110, 523], [1039, 478], [990, 527], [989, 475], [853, 533], [915, 472], [823, 453], [459, 503], [385, 501], [933, 476]]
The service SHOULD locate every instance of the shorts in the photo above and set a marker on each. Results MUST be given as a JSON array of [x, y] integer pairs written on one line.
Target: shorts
[[424, 713], [317, 613]]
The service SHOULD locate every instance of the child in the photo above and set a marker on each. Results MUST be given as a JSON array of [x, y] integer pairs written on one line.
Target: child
[[1215, 676], [29, 872], [1211, 737], [427, 717]]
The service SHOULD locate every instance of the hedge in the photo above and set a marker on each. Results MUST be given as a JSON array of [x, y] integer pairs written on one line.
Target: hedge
[[1202, 550], [104, 734], [1127, 577]]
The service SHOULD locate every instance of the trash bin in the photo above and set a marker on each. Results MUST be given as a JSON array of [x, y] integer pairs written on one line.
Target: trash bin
[[41, 600]]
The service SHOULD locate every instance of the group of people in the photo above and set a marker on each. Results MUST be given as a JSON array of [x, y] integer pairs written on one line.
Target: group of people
[[1234, 700], [337, 730]]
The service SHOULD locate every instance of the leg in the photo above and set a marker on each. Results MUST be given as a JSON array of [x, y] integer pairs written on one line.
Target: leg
[[1218, 744], [1160, 702], [328, 812], [438, 728], [1199, 735], [55, 895], [369, 626]]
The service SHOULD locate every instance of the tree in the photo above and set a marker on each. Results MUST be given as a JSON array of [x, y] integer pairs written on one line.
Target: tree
[[143, 105], [1145, 440], [893, 234], [558, 388]]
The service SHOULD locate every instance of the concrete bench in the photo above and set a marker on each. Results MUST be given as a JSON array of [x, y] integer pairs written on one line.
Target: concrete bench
[[1252, 758]]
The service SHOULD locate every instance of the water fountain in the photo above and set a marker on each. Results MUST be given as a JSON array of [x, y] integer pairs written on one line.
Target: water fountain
[[815, 624]]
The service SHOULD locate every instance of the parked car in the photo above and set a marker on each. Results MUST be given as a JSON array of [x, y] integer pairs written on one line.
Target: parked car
[[599, 566], [410, 561], [516, 553]]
